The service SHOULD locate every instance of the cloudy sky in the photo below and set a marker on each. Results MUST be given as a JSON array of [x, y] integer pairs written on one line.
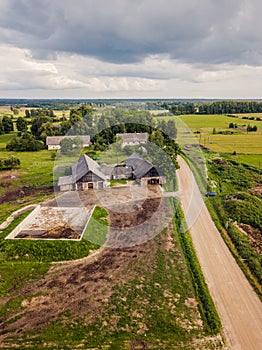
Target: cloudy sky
[[131, 48]]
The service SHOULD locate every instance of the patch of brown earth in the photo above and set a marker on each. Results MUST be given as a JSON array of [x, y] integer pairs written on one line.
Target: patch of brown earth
[[60, 232], [83, 289], [14, 193], [254, 236], [257, 190]]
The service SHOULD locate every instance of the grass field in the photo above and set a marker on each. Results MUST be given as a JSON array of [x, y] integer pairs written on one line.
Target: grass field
[[206, 123], [246, 145], [35, 172]]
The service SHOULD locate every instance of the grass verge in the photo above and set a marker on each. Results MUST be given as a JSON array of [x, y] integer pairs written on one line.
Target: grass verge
[[207, 308]]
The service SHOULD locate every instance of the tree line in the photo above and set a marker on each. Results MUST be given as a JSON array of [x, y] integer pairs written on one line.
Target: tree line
[[31, 136], [217, 107]]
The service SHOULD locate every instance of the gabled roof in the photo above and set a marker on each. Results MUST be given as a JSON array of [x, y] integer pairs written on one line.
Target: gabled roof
[[55, 140], [139, 165], [83, 165], [134, 136]]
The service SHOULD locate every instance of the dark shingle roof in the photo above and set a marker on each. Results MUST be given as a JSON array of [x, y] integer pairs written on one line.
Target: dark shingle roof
[[139, 165], [83, 165], [122, 170]]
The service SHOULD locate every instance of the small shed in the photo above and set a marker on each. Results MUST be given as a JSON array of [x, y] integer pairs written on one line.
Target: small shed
[[121, 172]]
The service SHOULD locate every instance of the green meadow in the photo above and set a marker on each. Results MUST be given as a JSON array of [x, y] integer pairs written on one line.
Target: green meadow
[[246, 146], [35, 172]]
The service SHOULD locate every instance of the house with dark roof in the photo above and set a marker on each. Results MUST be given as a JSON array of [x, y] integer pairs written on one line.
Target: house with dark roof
[[133, 139], [143, 171], [86, 174], [53, 142]]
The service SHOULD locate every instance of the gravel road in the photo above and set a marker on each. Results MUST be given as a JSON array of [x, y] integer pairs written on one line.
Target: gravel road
[[238, 305]]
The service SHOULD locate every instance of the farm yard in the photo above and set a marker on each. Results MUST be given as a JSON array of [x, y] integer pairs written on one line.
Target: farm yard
[[122, 293]]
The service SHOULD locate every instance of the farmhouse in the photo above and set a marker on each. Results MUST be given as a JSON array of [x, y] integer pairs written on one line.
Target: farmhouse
[[133, 139], [143, 171], [86, 174], [53, 142]]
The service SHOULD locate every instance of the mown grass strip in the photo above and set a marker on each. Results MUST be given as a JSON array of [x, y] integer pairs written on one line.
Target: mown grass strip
[[206, 305]]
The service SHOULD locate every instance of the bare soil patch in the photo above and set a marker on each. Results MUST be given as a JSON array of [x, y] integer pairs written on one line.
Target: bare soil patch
[[60, 232], [82, 288], [257, 190], [254, 236], [15, 193]]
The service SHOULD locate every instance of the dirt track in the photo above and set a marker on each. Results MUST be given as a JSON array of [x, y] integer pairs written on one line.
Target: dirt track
[[239, 307]]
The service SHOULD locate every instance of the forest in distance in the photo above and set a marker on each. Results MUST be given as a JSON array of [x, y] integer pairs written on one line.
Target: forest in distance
[[176, 106]]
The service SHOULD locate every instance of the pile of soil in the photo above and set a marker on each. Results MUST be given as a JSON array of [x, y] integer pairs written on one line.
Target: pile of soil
[[60, 232]]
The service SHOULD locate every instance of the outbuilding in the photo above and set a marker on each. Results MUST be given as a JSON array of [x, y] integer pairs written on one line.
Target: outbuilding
[[53, 142]]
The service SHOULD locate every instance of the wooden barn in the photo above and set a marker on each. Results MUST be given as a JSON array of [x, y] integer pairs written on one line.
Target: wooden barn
[[143, 171], [86, 174]]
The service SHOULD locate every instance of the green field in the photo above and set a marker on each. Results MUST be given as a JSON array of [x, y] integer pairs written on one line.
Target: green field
[[206, 123], [35, 172], [247, 146]]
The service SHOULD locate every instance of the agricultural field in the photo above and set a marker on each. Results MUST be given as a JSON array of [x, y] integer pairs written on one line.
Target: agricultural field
[[5, 110], [245, 146], [151, 295]]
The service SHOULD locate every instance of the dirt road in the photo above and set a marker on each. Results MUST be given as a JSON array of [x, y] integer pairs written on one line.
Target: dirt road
[[239, 307]]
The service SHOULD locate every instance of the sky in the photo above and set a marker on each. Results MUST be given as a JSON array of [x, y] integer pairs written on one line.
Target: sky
[[130, 49]]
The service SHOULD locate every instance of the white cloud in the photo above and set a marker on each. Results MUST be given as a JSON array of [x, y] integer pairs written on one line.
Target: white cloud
[[122, 48]]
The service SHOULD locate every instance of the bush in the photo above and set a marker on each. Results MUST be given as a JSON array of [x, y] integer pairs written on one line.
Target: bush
[[9, 163], [26, 142]]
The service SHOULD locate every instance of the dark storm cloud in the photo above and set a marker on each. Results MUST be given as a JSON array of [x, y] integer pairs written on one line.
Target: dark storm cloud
[[124, 31]]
